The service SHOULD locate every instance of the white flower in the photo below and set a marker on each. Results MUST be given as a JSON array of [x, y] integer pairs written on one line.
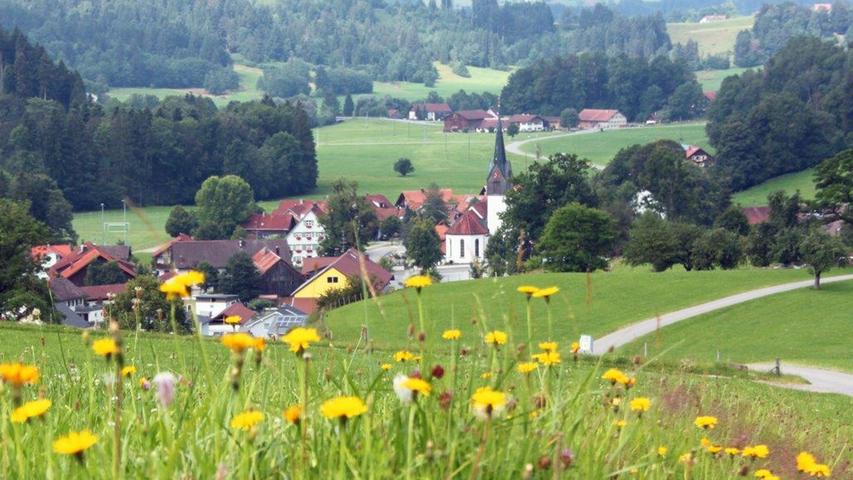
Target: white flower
[[403, 393], [165, 383]]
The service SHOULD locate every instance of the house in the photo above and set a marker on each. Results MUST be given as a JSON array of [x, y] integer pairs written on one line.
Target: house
[[713, 18], [216, 325], [337, 274], [304, 238], [210, 305], [49, 255], [278, 277], [382, 207], [710, 95], [434, 112], [97, 298], [182, 255], [275, 323], [465, 120], [590, 118], [698, 156], [264, 225], [552, 123], [85, 303], [66, 293], [465, 240], [527, 122], [756, 215], [76, 265]]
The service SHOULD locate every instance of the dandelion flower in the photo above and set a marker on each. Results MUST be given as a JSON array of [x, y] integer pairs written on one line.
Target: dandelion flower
[[763, 473], [715, 449], [403, 356], [576, 347], [35, 408], [488, 403], [732, 451], [408, 388], [662, 451], [299, 338], [549, 346], [293, 414], [758, 451], [686, 458], [452, 334], [820, 470], [418, 282], [238, 342], [615, 376], [547, 358], [128, 371], [496, 337], [174, 289], [233, 320], [343, 408], [528, 290], [385, 367], [75, 443], [105, 347], [247, 420], [620, 424], [705, 422], [18, 374], [527, 367], [640, 404], [546, 293], [805, 460]]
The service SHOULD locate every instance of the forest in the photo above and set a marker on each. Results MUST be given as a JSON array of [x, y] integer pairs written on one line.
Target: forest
[[635, 86], [787, 117], [50, 131], [121, 43]]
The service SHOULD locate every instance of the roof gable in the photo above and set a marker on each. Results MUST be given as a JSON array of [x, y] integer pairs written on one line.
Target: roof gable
[[63, 290], [596, 115], [468, 224]]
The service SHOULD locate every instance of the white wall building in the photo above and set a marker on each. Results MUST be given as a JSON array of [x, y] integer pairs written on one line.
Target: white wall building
[[304, 239]]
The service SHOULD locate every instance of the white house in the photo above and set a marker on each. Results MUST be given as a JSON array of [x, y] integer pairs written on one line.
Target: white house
[[212, 304], [465, 241], [590, 118], [528, 123], [304, 239]]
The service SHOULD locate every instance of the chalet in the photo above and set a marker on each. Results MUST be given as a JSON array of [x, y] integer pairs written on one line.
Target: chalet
[[465, 120], [698, 156], [593, 118], [527, 122], [275, 323], [210, 305], [434, 112], [305, 237], [465, 240], [216, 325], [181, 255], [263, 225], [98, 297], [76, 265], [337, 274]]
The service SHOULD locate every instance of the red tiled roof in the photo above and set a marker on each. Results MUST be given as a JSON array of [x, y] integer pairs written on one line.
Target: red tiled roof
[[378, 200], [473, 114], [190, 253], [298, 208], [102, 292], [88, 253], [437, 107], [756, 215], [596, 115], [312, 264], [350, 264], [264, 259], [711, 95], [162, 248], [273, 221], [415, 198], [480, 208], [692, 150], [469, 224], [383, 213], [239, 310], [61, 251], [524, 118]]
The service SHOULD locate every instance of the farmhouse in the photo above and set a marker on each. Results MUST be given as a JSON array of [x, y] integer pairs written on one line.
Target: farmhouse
[[216, 325], [465, 120], [698, 156], [601, 119], [263, 225], [76, 265], [434, 112], [304, 238], [527, 122], [46, 256]]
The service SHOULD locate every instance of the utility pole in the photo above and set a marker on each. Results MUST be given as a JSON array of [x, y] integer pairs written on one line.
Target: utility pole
[[103, 227]]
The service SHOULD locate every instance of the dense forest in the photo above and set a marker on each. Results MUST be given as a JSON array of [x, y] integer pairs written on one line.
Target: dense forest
[[150, 156], [788, 117], [183, 43], [635, 86], [776, 24]]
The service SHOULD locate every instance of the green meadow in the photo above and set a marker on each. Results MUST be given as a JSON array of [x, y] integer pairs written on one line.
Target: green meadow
[[481, 80], [803, 326], [712, 79], [712, 37], [594, 305], [790, 183], [601, 147]]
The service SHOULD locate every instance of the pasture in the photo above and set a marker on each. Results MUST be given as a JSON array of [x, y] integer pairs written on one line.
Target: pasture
[[713, 37], [790, 183]]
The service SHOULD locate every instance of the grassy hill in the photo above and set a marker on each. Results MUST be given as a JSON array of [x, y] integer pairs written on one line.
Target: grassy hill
[[712, 79], [613, 299], [713, 37], [481, 80], [802, 326], [790, 183], [600, 147]]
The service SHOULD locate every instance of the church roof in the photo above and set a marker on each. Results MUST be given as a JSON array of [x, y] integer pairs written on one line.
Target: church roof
[[469, 224], [500, 170]]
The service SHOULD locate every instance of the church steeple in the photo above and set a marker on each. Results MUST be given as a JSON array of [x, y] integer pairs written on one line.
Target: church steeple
[[500, 170]]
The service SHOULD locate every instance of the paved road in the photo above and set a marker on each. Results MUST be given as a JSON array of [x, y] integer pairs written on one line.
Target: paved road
[[515, 147], [634, 331], [820, 380]]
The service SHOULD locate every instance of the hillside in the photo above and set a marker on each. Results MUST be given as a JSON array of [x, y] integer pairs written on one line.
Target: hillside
[[803, 326], [790, 183], [713, 37]]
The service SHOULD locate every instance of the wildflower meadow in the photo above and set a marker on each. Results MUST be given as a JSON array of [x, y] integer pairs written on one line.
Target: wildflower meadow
[[493, 405]]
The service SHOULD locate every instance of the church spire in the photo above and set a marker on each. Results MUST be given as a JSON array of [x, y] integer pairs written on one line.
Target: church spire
[[500, 170]]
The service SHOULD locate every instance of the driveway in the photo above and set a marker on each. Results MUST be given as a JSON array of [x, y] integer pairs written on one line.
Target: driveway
[[820, 380]]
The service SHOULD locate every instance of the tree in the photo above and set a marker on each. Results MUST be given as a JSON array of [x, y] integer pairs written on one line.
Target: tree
[[717, 248], [821, 252], [686, 101], [19, 287], [241, 277], [512, 129], [153, 312], [390, 227], [223, 203], [576, 239], [180, 221], [423, 245], [349, 221], [434, 208], [651, 242], [104, 273], [47, 203], [733, 220], [349, 106], [569, 118], [834, 184], [403, 166]]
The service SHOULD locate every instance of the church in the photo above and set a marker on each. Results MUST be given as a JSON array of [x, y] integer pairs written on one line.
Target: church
[[466, 239]]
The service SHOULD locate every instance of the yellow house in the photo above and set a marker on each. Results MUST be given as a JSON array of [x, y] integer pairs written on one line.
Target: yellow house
[[352, 264]]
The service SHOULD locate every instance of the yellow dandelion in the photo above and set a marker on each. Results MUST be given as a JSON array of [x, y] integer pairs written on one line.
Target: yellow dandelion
[[174, 289], [238, 342], [757, 451], [105, 347], [452, 334], [293, 414], [805, 461], [576, 347], [33, 409], [343, 408], [528, 290], [820, 470], [620, 424], [549, 346], [418, 282], [233, 320], [385, 366], [300, 337], [763, 473], [488, 403], [247, 420], [418, 385], [547, 358], [18, 374], [260, 344], [615, 376], [496, 337], [128, 371], [705, 422], [732, 451], [75, 443], [662, 451], [640, 404], [715, 449], [403, 356], [546, 293], [527, 367]]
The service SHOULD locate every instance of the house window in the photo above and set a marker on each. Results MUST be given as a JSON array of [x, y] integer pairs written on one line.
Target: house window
[[461, 247], [331, 279], [477, 247], [309, 223]]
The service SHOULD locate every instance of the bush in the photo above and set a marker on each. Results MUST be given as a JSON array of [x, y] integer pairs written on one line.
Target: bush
[[460, 69]]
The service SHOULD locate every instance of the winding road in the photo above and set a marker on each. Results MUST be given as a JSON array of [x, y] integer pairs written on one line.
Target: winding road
[[820, 380]]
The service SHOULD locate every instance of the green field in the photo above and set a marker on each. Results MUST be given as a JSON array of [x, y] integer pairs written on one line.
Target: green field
[[712, 79], [481, 80], [614, 299], [713, 37], [146, 226], [601, 147], [803, 326], [790, 183]]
